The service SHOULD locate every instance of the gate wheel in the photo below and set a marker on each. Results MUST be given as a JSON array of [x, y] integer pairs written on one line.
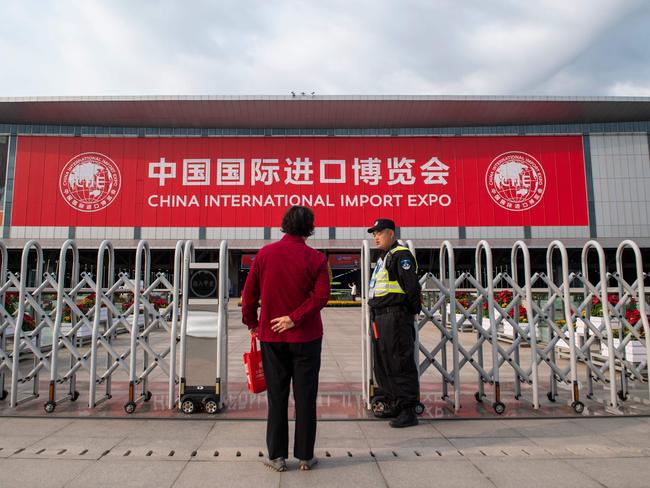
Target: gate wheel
[[478, 397], [49, 407], [378, 406], [578, 407], [188, 406], [211, 406], [499, 407], [419, 409], [129, 407]]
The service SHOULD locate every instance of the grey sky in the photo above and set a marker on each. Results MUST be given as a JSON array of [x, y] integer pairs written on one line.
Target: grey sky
[[481, 47]]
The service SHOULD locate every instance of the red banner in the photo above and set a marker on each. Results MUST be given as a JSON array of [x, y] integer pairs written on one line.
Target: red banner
[[344, 261], [247, 261], [250, 181]]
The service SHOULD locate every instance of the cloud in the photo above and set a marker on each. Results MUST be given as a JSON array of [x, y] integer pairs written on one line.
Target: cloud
[[552, 47], [622, 89]]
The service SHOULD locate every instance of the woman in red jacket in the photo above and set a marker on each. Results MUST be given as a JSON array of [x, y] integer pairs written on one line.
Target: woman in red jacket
[[292, 282]]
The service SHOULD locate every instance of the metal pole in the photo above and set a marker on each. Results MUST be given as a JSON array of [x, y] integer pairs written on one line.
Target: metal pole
[[3, 276], [68, 245], [188, 258], [640, 288], [173, 339], [18, 332], [447, 250], [366, 350], [416, 348], [143, 248], [484, 248], [566, 301], [104, 247], [222, 326], [520, 245], [608, 326]]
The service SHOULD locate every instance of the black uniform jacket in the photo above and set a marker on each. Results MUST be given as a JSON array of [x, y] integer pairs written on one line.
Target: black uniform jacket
[[401, 267]]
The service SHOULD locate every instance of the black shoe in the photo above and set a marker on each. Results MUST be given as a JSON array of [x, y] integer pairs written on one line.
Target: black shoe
[[406, 418]]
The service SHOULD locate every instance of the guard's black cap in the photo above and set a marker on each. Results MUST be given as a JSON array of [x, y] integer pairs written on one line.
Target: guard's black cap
[[381, 224]]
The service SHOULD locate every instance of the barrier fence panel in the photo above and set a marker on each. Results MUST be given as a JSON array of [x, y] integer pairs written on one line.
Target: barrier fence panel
[[104, 333], [6, 282], [70, 325], [606, 327], [490, 322], [28, 329], [222, 328], [485, 295], [559, 331], [155, 304], [174, 336], [366, 352], [193, 396], [557, 335], [66, 324], [631, 309]]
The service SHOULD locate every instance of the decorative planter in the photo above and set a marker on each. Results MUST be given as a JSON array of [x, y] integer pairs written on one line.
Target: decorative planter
[[509, 330], [635, 351], [563, 343], [464, 324], [486, 323], [596, 322], [83, 332]]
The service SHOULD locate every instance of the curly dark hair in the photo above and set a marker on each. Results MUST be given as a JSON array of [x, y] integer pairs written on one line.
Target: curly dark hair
[[298, 221]]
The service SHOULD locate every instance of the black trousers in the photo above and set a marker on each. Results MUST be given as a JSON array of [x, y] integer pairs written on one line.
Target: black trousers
[[286, 363], [395, 369]]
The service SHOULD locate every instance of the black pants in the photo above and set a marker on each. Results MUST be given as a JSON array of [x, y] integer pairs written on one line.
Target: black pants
[[283, 364], [395, 369]]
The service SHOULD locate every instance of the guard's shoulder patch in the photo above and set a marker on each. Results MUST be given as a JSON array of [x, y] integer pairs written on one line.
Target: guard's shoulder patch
[[406, 263]]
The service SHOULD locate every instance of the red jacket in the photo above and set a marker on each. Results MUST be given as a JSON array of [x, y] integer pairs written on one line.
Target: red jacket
[[289, 278]]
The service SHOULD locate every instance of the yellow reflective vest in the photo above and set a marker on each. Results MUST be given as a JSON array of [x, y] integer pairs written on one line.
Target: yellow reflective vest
[[380, 283]]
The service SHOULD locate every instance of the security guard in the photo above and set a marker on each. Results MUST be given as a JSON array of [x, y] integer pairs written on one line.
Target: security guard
[[394, 299]]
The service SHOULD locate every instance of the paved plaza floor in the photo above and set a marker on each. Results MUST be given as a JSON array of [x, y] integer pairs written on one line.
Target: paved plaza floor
[[84, 452], [546, 447]]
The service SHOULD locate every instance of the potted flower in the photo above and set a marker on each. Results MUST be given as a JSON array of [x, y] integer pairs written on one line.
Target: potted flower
[[159, 303], [597, 310], [86, 303], [11, 302], [28, 323], [522, 315], [126, 305]]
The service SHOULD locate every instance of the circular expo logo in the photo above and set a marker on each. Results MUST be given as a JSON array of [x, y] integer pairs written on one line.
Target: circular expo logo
[[515, 181], [203, 284], [90, 182]]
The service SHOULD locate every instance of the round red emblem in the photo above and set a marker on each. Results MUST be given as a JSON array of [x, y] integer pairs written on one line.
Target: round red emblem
[[90, 182], [515, 181]]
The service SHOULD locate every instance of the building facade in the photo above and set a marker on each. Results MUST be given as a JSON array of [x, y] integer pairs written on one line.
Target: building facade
[[212, 168]]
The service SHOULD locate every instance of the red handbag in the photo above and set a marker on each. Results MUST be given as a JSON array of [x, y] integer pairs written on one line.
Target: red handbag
[[253, 366]]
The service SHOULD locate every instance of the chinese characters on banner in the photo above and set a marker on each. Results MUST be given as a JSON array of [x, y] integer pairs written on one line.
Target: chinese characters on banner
[[250, 181], [299, 171]]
